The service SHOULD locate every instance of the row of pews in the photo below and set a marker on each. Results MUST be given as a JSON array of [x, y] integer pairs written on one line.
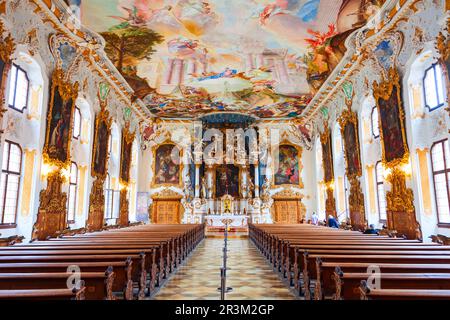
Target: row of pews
[[325, 263], [127, 263]]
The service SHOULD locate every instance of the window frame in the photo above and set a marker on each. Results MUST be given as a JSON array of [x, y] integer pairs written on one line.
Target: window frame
[[18, 68], [434, 173], [436, 87], [75, 193], [19, 174], [77, 110], [109, 191], [374, 109], [377, 184]]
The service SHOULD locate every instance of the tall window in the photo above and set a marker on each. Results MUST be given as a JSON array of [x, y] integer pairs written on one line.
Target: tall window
[[72, 199], [440, 160], [381, 196], [18, 89], [109, 199], [10, 182], [375, 124], [77, 123], [433, 86]]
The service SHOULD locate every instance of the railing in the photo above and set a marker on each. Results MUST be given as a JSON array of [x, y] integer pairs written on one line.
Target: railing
[[223, 271]]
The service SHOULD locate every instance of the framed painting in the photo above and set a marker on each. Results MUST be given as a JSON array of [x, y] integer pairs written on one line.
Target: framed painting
[[327, 156], [289, 166], [349, 130], [391, 120], [100, 153], [59, 121], [227, 180], [126, 155], [167, 167]]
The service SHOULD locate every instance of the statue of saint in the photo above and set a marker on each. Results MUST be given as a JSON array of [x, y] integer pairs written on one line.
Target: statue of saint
[[204, 194], [265, 195]]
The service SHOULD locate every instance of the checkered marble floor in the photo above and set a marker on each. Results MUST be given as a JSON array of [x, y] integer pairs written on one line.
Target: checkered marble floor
[[248, 274]]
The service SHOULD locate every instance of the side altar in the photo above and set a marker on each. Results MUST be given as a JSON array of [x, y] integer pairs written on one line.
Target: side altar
[[228, 211]]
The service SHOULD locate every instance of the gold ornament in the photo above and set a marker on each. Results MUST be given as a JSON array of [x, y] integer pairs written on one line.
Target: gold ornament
[[384, 91], [51, 218]]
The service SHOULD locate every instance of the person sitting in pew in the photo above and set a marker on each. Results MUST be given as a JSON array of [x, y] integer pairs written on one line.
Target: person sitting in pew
[[315, 219], [371, 230], [332, 222]]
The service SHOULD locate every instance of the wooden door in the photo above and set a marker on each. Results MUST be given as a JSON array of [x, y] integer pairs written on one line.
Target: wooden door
[[287, 211], [167, 212]]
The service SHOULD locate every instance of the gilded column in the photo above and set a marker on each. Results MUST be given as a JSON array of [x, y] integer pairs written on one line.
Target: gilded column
[[256, 181], [28, 181], [197, 180]]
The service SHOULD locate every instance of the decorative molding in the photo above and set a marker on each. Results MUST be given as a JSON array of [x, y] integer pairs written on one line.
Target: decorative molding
[[288, 193], [51, 218], [166, 194], [96, 214], [124, 208], [400, 206]]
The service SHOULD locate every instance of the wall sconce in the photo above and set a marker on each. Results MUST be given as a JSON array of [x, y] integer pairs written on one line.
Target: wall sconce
[[330, 185], [46, 170], [123, 187], [407, 169], [65, 173], [386, 172]]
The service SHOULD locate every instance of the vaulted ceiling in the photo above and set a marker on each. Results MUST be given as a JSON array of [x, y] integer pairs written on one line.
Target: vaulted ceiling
[[188, 58]]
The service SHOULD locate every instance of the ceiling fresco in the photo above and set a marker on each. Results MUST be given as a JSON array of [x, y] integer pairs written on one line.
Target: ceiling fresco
[[187, 58]]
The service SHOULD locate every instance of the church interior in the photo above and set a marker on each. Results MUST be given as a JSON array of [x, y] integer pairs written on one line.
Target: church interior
[[274, 149]]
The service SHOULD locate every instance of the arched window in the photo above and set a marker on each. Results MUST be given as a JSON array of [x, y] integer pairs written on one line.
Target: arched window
[[72, 199], [433, 86], [374, 123], [440, 161], [77, 123], [18, 89], [10, 182], [109, 199], [381, 196]]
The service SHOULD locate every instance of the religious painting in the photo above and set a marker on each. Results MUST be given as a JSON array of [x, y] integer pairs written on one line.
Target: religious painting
[[180, 62], [327, 157], [167, 168], [142, 203], [349, 131], [288, 171], [100, 146], [59, 121], [227, 181], [391, 118], [126, 155]]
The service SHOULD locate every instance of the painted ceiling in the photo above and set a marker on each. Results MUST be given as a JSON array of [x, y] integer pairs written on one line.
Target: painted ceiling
[[188, 58]]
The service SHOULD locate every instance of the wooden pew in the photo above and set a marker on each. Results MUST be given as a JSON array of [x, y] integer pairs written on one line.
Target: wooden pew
[[93, 251], [99, 285], [352, 281], [328, 269], [402, 294], [134, 272], [9, 241], [122, 270], [43, 294], [310, 255]]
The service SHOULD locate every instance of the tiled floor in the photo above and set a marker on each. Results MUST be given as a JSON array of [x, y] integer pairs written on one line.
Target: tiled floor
[[249, 275]]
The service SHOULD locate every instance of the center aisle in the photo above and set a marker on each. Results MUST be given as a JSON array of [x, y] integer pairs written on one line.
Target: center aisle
[[248, 274]]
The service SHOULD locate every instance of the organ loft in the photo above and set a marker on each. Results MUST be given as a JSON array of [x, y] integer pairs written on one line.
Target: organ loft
[[224, 150]]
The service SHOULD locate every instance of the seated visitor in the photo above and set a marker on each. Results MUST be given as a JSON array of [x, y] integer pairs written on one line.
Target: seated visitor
[[371, 230], [332, 222], [314, 219]]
